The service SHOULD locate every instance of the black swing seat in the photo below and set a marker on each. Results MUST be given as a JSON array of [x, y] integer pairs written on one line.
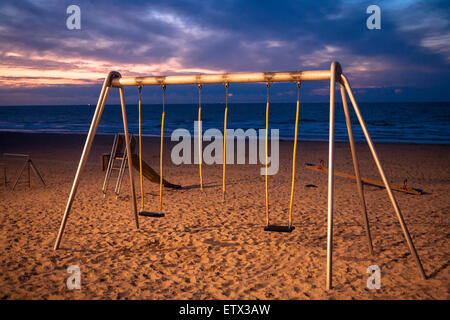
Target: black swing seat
[[151, 214], [276, 228]]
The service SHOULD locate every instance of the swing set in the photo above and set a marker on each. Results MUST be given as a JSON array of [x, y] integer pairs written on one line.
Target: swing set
[[333, 75], [142, 211]]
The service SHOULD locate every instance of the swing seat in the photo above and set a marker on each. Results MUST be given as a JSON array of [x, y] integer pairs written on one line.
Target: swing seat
[[151, 214], [276, 228]]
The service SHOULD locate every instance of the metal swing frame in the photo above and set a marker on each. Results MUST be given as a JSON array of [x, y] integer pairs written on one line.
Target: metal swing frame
[[334, 75]]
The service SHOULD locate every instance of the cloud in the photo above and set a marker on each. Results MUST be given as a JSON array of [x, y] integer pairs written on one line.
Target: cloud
[[153, 38]]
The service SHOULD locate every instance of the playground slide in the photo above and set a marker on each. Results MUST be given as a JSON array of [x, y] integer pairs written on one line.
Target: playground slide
[[151, 174]]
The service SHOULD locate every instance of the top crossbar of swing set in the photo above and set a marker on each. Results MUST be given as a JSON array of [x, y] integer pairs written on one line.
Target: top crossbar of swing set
[[255, 77]]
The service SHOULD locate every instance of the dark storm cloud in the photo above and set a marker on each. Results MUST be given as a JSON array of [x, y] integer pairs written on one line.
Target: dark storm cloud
[[411, 51]]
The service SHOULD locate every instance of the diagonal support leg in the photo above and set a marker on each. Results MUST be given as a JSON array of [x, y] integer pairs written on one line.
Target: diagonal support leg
[[37, 172], [359, 185], [412, 249], [129, 156], [20, 175], [84, 156]]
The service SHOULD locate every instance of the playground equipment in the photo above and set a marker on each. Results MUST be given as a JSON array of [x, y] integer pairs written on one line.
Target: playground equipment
[[289, 227], [200, 148], [142, 211], [333, 75], [150, 174], [28, 164], [224, 162], [118, 153], [404, 188]]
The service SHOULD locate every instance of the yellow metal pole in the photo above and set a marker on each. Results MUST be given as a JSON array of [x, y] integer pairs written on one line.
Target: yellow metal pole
[[161, 151], [294, 155], [225, 141], [141, 180], [200, 135]]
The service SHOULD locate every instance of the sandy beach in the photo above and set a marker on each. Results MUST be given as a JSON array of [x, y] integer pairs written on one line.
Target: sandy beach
[[206, 249]]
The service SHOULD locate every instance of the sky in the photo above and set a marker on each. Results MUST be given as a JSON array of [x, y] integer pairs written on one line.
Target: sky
[[42, 62]]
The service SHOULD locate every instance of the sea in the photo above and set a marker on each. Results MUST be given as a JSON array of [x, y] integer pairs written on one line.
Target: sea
[[388, 122]]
